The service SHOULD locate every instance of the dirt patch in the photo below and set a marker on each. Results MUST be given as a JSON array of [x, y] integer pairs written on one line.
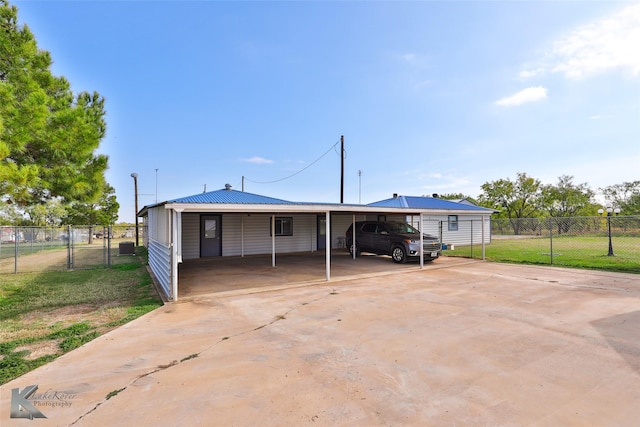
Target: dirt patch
[[39, 349]]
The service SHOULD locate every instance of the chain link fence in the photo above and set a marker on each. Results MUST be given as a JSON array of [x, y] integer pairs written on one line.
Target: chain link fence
[[36, 249], [604, 242]]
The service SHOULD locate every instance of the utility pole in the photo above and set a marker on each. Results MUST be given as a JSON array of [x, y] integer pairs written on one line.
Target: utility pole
[[156, 185], [359, 187], [342, 169], [135, 190]]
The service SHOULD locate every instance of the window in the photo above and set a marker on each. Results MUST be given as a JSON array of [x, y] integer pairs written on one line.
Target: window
[[453, 222], [284, 226]]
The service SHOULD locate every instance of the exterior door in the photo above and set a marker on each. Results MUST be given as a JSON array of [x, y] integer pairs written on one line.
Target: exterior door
[[210, 235]]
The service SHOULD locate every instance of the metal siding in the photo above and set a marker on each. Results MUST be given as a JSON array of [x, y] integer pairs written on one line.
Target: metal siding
[[257, 238], [190, 236], [467, 233], [160, 264], [339, 226]]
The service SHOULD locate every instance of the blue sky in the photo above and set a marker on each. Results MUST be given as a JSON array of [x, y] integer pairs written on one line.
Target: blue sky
[[431, 97]]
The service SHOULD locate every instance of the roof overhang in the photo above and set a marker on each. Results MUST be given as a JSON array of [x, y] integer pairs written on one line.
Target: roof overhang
[[314, 208]]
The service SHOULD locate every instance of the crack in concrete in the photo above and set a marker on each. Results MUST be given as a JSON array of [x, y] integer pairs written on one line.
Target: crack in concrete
[[194, 355]]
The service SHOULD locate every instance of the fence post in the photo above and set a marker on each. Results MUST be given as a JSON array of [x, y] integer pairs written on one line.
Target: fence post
[[551, 240], [104, 245], [16, 239], [471, 239], [109, 228], [483, 243], [68, 247]]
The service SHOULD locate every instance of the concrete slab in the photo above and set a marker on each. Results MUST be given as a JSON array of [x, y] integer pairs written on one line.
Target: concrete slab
[[231, 274], [468, 344]]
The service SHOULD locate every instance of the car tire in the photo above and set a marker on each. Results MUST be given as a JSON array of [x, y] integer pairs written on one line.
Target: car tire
[[351, 251], [399, 254]]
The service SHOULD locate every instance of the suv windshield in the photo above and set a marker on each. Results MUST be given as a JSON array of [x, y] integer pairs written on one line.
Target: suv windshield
[[399, 228]]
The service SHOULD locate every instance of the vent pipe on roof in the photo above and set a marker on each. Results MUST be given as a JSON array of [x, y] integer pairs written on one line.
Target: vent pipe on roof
[[227, 187], [395, 195]]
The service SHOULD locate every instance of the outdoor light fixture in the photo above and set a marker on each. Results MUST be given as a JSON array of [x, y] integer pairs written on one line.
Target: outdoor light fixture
[[135, 190], [610, 211]]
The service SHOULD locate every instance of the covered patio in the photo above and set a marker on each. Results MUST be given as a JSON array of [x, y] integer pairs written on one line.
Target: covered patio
[[250, 274]]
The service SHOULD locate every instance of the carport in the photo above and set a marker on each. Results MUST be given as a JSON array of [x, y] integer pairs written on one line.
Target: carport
[[251, 225], [234, 275]]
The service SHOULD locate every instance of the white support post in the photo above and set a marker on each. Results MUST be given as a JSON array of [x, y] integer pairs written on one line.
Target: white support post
[[242, 235], [174, 256], [273, 240], [328, 245], [353, 235], [420, 228]]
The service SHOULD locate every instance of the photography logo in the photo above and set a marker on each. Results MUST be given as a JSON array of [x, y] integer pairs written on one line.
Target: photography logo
[[21, 407]]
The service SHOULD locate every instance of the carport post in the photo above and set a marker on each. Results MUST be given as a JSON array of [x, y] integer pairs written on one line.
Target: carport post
[[273, 240], [328, 246], [420, 226], [353, 236]]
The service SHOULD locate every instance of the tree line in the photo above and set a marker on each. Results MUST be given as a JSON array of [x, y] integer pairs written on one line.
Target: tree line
[[50, 173], [528, 197]]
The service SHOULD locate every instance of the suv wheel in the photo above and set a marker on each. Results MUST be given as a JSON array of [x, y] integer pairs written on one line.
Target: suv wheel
[[398, 254], [351, 251]]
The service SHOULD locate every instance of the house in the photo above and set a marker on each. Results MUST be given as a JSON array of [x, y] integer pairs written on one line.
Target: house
[[228, 222], [456, 222]]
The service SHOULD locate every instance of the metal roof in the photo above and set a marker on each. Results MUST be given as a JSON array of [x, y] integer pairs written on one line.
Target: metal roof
[[426, 203], [230, 197]]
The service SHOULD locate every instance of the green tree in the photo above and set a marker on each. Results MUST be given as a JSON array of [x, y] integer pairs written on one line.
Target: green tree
[[566, 199], [48, 135], [48, 214], [457, 196], [626, 196], [514, 199], [104, 212]]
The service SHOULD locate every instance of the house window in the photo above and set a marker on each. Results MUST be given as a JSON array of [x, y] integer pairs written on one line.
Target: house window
[[453, 222], [284, 226]]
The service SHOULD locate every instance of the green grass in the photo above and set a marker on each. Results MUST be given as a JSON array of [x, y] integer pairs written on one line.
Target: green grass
[[45, 315], [568, 251]]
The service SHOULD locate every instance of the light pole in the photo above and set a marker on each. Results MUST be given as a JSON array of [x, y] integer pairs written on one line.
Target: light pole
[[135, 190], [610, 211]]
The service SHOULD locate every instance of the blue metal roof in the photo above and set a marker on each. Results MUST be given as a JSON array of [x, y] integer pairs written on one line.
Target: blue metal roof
[[230, 197], [425, 203]]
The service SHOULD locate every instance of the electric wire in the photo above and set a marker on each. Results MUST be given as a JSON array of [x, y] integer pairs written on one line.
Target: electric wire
[[296, 173]]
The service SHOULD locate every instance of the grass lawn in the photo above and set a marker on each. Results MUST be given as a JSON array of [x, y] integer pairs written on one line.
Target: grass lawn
[[570, 251], [44, 315]]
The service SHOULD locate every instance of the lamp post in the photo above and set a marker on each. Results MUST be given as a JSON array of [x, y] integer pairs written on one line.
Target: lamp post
[[135, 189], [610, 211]]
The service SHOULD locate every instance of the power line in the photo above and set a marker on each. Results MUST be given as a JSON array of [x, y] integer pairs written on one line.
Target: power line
[[300, 171]]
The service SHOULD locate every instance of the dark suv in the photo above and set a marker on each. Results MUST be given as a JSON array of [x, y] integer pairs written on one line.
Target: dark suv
[[397, 239]]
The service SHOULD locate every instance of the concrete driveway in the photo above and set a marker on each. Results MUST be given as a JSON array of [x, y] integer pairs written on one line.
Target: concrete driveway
[[470, 343]]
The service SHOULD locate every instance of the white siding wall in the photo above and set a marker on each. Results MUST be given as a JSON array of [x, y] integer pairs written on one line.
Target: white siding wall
[[159, 225], [469, 229], [253, 232], [339, 226], [190, 235]]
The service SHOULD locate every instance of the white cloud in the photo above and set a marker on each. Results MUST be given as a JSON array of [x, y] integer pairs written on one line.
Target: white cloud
[[530, 94], [608, 44], [527, 74], [258, 160]]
